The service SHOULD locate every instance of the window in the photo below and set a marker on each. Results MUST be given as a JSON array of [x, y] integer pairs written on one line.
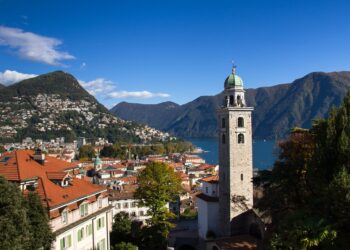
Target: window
[[223, 123], [231, 100], [240, 138], [100, 223], [141, 213], [241, 177], [206, 190], [223, 139], [239, 100], [64, 217], [80, 234], [66, 242], [84, 209], [88, 230], [133, 214], [126, 205], [117, 206], [134, 204], [240, 122], [101, 245], [100, 202]]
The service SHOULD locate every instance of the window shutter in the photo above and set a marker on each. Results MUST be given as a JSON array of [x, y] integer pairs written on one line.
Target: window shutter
[[69, 240], [90, 229], [62, 244], [79, 235], [103, 221]]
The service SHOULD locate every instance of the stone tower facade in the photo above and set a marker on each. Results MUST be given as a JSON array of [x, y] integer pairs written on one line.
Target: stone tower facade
[[235, 153]]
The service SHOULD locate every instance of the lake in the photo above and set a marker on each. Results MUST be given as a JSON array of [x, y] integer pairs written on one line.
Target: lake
[[264, 151]]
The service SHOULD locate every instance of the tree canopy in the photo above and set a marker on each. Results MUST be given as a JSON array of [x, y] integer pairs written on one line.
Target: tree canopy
[[307, 195], [23, 220], [158, 185]]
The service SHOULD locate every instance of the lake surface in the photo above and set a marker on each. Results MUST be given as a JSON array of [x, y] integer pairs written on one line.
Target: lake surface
[[264, 152]]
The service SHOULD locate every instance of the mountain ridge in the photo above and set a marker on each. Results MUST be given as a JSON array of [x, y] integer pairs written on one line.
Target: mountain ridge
[[278, 108], [54, 105]]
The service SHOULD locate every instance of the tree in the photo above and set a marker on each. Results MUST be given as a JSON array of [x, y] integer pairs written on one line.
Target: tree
[[14, 224], [23, 220], [86, 151], [41, 234], [158, 185], [121, 229], [124, 246], [307, 195], [2, 149]]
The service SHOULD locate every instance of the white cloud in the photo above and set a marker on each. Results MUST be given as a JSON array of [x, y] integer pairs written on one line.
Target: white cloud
[[106, 89], [136, 94], [11, 76], [98, 86], [33, 47]]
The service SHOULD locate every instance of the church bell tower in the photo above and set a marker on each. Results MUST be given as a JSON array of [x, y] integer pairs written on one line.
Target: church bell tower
[[235, 153]]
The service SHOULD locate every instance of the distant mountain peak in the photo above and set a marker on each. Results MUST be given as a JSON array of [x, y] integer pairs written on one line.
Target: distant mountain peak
[[277, 108], [55, 104]]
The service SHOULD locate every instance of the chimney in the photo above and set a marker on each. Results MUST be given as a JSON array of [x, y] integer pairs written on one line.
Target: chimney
[[39, 156]]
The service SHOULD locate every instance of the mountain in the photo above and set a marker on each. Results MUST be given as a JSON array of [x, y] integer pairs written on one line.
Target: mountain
[[2, 86], [56, 105], [277, 108]]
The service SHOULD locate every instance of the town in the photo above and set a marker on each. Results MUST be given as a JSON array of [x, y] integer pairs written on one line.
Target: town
[[116, 177]]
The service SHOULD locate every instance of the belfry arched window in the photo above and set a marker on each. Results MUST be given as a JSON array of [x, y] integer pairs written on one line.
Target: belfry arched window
[[223, 139], [231, 100], [239, 100], [240, 138], [223, 123], [240, 122]]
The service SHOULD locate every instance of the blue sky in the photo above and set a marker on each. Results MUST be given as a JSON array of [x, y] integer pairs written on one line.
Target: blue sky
[[155, 51]]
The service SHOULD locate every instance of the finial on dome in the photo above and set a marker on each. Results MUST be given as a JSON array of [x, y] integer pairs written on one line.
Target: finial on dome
[[233, 68]]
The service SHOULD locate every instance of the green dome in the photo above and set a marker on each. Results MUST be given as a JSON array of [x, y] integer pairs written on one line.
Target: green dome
[[232, 81], [98, 161]]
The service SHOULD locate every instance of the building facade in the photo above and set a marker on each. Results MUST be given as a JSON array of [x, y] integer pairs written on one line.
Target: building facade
[[79, 212]]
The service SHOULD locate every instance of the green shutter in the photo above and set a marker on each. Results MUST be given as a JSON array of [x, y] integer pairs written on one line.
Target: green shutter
[[104, 244], [69, 240], [90, 229], [103, 221], [61, 243], [79, 235]]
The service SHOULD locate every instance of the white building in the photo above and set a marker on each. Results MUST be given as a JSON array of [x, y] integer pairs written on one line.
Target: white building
[[123, 201]]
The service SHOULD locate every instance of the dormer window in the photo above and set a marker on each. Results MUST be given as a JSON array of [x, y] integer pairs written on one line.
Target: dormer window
[[84, 209], [99, 202], [64, 217]]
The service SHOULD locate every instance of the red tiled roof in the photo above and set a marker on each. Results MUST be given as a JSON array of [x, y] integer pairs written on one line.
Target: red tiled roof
[[21, 166], [211, 179]]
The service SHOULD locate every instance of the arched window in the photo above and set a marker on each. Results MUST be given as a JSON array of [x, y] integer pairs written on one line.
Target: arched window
[[223, 123], [239, 100], [240, 138], [231, 100], [223, 139], [240, 122]]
